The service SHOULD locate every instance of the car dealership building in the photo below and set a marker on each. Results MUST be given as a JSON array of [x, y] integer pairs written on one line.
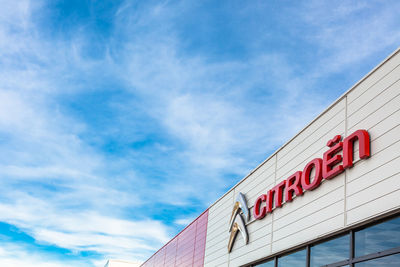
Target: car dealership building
[[330, 196]]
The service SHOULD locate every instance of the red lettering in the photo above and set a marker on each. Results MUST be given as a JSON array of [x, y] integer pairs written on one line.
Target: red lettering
[[330, 159], [348, 147], [277, 193], [326, 168], [270, 200], [258, 211], [305, 177], [334, 140], [293, 186]]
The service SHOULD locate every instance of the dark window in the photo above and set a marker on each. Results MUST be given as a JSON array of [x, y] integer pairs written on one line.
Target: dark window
[[377, 238], [389, 261], [266, 264], [295, 259], [330, 251], [374, 245]]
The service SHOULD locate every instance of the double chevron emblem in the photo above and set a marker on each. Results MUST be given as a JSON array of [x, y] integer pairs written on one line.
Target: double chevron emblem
[[237, 223]]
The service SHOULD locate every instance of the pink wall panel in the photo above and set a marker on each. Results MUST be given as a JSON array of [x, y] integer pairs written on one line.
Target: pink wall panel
[[186, 249], [159, 258]]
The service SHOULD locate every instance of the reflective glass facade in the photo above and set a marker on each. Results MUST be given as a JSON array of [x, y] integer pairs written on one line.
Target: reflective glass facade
[[270, 263], [388, 261], [330, 251], [377, 238], [371, 246], [298, 258]]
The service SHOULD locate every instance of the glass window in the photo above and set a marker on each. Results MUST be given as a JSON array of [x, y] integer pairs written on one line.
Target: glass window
[[389, 261], [378, 237], [270, 263], [295, 259], [332, 251]]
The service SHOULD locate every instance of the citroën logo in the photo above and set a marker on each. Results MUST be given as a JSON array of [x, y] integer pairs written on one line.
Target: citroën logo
[[237, 224]]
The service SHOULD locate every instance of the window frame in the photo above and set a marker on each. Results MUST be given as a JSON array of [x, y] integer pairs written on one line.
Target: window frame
[[348, 262]]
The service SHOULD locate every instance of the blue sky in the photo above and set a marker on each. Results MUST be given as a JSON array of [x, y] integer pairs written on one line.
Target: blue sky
[[121, 121]]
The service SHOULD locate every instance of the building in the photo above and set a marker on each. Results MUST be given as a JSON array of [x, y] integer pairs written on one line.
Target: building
[[120, 263], [329, 197]]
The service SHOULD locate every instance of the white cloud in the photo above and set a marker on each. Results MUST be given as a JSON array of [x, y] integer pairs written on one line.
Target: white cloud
[[83, 230], [12, 255], [43, 151], [349, 33], [61, 218], [184, 221], [226, 116]]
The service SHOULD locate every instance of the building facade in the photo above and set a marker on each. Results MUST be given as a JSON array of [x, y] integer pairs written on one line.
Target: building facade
[[329, 197], [121, 263]]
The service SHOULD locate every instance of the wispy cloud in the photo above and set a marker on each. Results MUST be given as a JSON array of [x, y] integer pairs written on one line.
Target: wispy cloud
[[184, 221], [17, 255], [53, 183], [118, 123], [348, 34]]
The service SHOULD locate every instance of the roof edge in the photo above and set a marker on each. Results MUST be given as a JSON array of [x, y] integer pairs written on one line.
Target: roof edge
[[311, 122], [175, 236]]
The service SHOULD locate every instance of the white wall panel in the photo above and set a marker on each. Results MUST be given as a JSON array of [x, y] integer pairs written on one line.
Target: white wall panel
[[373, 177], [369, 189], [317, 230], [329, 124], [375, 104], [254, 184], [372, 183], [260, 237], [311, 129], [217, 228], [375, 76], [257, 249], [374, 207], [259, 242], [376, 93], [384, 187], [309, 221], [313, 202], [317, 149], [383, 151], [380, 115]]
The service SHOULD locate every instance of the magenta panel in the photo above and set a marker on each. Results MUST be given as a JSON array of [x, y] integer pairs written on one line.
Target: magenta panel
[[185, 249]]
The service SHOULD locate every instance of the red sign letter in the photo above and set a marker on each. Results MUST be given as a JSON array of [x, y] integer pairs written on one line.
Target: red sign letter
[[305, 177], [293, 186], [348, 147], [259, 212], [277, 192], [330, 159]]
